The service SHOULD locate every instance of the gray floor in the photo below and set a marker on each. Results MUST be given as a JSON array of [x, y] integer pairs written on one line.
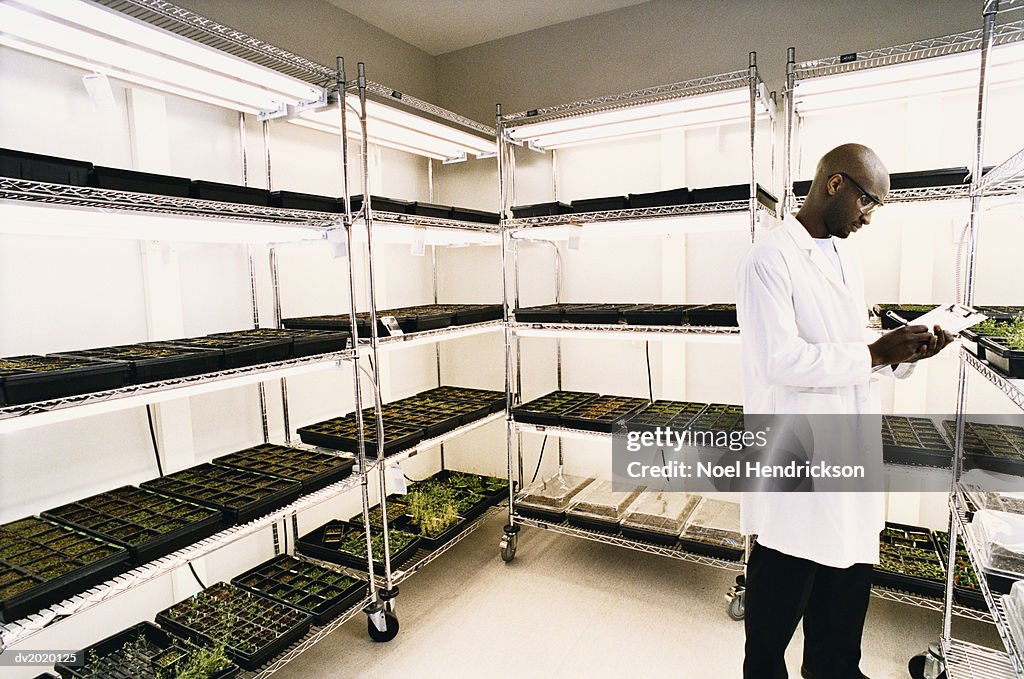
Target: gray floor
[[572, 608]]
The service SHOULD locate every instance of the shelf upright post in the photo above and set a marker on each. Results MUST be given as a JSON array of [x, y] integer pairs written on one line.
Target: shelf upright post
[[374, 609], [390, 591], [752, 87], [789, 122]]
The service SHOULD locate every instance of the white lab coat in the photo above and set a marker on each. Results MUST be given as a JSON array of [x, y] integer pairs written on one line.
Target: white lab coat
[[804, 350]]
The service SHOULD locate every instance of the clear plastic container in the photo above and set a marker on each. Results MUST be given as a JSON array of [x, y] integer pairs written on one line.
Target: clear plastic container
[[599, 503], [660, 512], [715, 522], [999, 538], [1013, 604], [1012, 503], [551, 496]]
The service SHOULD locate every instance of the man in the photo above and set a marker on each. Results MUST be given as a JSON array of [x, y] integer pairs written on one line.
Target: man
[[805, 349]]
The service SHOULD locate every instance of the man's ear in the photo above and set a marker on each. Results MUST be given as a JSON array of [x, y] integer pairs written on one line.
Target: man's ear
[[834, 182]]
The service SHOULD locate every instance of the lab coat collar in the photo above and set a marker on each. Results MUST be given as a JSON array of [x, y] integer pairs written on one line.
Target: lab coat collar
[[805, 242]]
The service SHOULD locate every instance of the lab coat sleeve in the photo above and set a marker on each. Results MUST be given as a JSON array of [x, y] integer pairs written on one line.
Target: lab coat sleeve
[[900, 371], [765, 308]]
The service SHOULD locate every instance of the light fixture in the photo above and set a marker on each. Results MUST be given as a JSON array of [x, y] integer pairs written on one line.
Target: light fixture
[[713, 222], [402, 130], [714, 108], [925, 77], [85, 35]]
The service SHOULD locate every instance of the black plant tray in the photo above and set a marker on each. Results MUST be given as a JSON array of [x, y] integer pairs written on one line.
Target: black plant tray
[[547, 313], [611, 527], [302, 342], [116, 663], [949, 176], [606, 424], [42, 168], [229, 193], [1001, 312], [266, 580], [466, 214], [540, 514], [382, 204], [305, 201], [488, 497], [238, 351], [431, 210], [418, 322], [718, 315], [432, 543], [23, 384], [541, 210], [139, 182], [241, 501], [802, 187], [680, 196], [603, 204], [720, 194], [910, 583], [649, 419], [432, 423], [529, 412], [889, 323], [258, 658], [1010, 362], [656, 314], [177, 362], [468, 314], [304, 466], [649, 535], [973, 343], [34, 534], [920, 457], [709, 549], [598, 314], [312, 544], [993, 463], [965, 596], [93, 515], [329, 435]]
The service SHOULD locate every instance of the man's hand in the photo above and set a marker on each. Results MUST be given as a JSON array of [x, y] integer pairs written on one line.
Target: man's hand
[[908, 344]]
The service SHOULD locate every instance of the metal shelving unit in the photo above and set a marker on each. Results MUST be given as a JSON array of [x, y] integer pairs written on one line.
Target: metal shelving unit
[[437, 441], [440, 335], [969, 661], [627, 332], [1014, 389]]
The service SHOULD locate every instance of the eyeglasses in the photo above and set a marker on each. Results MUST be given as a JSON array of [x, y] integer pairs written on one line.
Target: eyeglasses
[[866, 202]]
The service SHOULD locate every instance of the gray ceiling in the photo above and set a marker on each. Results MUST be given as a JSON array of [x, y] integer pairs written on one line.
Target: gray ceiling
[[440, 26]]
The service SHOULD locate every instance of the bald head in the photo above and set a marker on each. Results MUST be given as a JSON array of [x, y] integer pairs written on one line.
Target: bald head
[[849, 183], [858, 161]]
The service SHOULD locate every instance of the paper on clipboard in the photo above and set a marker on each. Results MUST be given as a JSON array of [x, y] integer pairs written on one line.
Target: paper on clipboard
[[950, 317]]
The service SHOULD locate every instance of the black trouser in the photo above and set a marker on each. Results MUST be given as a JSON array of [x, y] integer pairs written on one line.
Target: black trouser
[[832, 602]]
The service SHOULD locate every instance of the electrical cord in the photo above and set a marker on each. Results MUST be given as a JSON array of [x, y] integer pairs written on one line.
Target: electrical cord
[[540, 459], [650, 381], [196, 575]]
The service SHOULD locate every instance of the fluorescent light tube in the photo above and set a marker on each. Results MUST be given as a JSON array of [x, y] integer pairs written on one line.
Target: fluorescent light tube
[[88, 36]]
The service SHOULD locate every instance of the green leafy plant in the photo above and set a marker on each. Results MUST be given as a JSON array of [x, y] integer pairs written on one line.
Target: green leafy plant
[[433, 507]]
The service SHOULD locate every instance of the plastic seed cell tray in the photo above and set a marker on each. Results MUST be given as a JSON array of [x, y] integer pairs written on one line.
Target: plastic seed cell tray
[[433, 420], [604, 413], [600, 204], [714, 529], [719, 417], [1000, 355], [466, 214], [305, 201], [237, 350], [313, 589], [909, 561], [241, 495], [431, 210], [680, 196], [545, 313], [27, 379], [340, 433], [153, 362], [949, 176], [491, 487], [600, 507], [466, 314], [465, 503], [303, 342], [1000, 541], [382, 204], [397, 510], [549, 409], [596, 314], [548, 499], [139, 182], [541, 210], [143, 651], [656, 314], [43, 562], [345, 544], [255, 629], [494, 400], [908, 312], [148, 524], [1001, 312], [658, 517], [914, 441], [41, 168], [229, 193], [966, 589], [994, 447], [312, 469], [714, 315], [666, 414]]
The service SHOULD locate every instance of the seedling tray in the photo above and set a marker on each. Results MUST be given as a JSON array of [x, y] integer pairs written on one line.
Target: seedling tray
[[547, 313], [492, 400], [138, 653], [397, 515], [43, 562], [995, 447], [657, 314], [433, 542], [1001, 312], [949, 176], [431, 210], [147, 524], [966, 590], [674, 414], [256, 629], [39, 378], [658, 517], [328, 542], [914, 441], [491, 487], [548, 409], [312, 469], [1000, 356], [547, 500], [382, 204], [465, 214], [241, 495], [600, 204], [339, 433], [41, 168], [602, 314], [904, 550], [908, 312], [318, 591], [432, 421], [139, 182], [713, 530], [604, 414], [154, 362], [305, 201], [802, 187], [302, 342], [238, 351], [680, 196], [229, 193], [717, 315], [541, 210]]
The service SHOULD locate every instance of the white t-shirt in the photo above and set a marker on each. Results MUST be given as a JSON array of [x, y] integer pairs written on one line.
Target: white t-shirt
[[828, 247]]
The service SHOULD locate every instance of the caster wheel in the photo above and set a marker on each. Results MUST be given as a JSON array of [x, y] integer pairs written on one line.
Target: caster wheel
[[737, 607], [508, 547], [390, 627], [918, 667]]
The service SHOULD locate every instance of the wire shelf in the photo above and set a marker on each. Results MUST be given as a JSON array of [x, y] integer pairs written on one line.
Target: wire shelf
[[1014, 389], [42, 412], [928, 603], [427, 444], [908, 52], [21, 630], [453, 332], [917, 195], [969, 661], [1007, 176], [648, 95], [624, 331], [636, 214], [384, 93], [997, 6], [1013, 651], [418, 221]]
